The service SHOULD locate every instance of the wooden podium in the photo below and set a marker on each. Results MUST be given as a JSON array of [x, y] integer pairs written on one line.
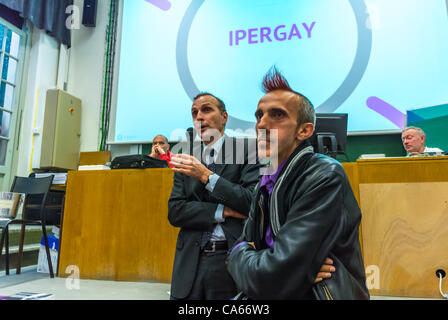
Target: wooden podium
[[115, 225], [404, 203]]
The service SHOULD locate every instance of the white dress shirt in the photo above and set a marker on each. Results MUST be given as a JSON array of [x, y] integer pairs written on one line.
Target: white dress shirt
[[218, 233]]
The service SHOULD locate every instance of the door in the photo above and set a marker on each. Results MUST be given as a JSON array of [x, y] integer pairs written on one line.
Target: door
[[12, 49]]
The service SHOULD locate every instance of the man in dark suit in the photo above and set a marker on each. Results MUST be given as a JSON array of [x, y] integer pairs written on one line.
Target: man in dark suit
[[209, 202]]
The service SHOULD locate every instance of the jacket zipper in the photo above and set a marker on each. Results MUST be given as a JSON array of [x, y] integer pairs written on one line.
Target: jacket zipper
[[327, 292], [262, 219]]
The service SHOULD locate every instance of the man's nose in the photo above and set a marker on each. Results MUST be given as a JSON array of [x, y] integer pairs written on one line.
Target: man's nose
[[199, 116], [262, 122]]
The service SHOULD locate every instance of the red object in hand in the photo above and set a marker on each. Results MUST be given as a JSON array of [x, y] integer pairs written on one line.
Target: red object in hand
[[167, 158]]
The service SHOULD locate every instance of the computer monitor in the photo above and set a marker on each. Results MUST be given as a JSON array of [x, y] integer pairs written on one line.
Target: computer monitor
[[330, 133]]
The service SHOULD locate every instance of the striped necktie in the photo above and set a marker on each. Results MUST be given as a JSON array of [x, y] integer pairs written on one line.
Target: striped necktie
[[211, 166], [206, 235]]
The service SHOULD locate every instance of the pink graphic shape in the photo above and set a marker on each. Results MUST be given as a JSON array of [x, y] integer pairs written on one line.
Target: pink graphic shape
[[165, 5], [387, 111]]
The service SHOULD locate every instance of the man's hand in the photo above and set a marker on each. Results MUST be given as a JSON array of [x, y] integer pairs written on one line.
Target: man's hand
[[325, 271], [156, 151], [227, 212], [190, 166]]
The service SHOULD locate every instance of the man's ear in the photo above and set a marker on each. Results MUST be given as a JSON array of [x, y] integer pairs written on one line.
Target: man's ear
[[305, 131], [225, 116]]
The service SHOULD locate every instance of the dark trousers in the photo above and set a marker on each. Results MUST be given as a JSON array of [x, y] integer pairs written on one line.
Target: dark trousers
[[212, 281]]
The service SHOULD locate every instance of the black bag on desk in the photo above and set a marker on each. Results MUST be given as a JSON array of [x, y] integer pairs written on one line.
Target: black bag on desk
[[137, 161]]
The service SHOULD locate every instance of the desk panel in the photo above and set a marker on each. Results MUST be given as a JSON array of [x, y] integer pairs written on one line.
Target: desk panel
[[406, 236], [407, 169], [115, 225], [404, 202]]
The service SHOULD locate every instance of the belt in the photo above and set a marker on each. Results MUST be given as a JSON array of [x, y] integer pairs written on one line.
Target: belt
[[213, 246]]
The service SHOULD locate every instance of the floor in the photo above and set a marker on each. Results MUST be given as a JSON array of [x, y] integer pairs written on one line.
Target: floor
[[68, 289]]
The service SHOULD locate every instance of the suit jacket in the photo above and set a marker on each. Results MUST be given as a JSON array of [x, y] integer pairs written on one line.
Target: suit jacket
[[192, 208]]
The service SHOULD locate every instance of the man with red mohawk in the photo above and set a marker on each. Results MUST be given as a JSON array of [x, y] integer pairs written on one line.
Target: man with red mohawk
[[302, 213]]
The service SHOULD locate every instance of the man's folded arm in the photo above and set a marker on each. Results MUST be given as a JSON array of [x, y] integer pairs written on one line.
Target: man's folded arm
[[237, 196], [183, 213]]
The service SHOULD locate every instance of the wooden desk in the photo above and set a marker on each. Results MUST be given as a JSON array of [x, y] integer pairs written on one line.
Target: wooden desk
[[404, 202], [115, 225]]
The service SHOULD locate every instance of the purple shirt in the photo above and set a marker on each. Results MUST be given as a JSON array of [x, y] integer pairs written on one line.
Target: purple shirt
[[268, 182], [267, 186]]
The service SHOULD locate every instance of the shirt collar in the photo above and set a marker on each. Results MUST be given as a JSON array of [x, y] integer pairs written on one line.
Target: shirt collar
[[269, 181], [216, 146]]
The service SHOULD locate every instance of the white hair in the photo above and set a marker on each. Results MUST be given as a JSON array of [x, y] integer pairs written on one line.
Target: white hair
[[418, 130]]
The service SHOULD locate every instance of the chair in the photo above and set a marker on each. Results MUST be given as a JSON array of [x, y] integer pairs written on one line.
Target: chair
[[29, 186]]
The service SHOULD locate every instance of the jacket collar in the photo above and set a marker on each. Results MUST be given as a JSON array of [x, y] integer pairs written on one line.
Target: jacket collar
[[302, 146], [293, 160]]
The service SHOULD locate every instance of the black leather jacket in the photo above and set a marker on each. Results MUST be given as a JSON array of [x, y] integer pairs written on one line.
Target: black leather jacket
[[313, 215]]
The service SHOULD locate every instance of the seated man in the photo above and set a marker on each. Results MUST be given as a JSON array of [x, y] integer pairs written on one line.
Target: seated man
[[414, 141], [304, 212], [160, 149]]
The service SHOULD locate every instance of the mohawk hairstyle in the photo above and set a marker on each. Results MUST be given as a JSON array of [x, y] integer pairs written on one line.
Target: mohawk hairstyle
[[274, 80]]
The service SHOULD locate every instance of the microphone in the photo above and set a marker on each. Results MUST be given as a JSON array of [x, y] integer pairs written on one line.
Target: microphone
[[190, 134]]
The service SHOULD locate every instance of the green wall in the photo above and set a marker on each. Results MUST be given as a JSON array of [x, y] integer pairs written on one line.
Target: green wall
[[434, 121], [436, 132], [389, 144]]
